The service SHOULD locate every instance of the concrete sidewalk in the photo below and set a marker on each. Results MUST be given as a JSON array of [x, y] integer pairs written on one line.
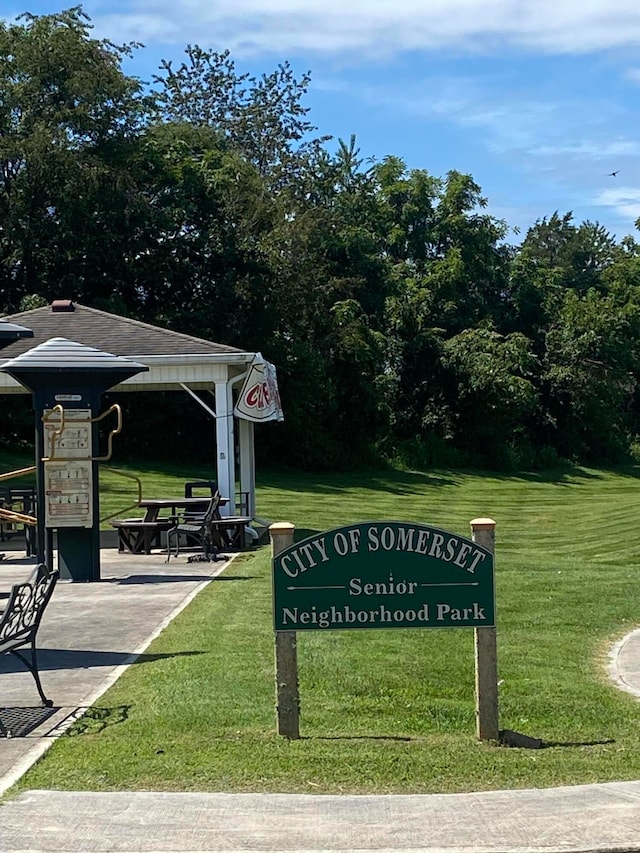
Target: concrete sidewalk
[[91, 632], [584, 818]]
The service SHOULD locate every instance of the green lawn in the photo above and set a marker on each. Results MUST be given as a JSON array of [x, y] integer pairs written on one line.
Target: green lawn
[[389, 711]]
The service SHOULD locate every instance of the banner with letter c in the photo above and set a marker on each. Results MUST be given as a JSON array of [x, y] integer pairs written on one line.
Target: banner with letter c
[[259, 399]]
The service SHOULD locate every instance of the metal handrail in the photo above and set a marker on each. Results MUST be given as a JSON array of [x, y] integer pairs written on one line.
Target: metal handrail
[[58, 432], [118, 429], [7, 514], [19, 473], [18, 517], [129, 477]]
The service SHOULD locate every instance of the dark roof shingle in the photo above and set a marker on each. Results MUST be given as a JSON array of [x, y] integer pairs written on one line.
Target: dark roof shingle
[[107, 332]]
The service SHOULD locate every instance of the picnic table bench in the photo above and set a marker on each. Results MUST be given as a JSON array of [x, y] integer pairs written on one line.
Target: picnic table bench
[[228, 531], [20, 620], [140, 536]]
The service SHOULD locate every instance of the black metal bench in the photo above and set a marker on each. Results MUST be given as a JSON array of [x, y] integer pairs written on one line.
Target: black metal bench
[[196, 530], [20, 620], [210, 531]]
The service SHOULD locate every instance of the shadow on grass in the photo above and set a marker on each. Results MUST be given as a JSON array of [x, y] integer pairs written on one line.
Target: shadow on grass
[[55, 659], [95, 720], [392, 481], [221, 578], [357, 737], [397, 481], [547, 744], [511, 739], [408, 482]]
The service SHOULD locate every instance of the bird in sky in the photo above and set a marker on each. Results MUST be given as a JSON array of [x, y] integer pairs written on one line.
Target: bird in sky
[[613, 174]]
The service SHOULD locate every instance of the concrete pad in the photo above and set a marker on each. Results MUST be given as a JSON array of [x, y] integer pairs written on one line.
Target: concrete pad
[[90, 633]]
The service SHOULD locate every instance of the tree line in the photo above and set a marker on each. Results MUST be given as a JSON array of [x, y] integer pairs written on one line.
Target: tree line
[[402, 322]]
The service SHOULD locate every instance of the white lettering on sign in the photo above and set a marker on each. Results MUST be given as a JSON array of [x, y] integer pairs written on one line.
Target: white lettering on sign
[[356, 587], [345, 616], [442, 547], [462, 614], [305, 557], [428, 543]]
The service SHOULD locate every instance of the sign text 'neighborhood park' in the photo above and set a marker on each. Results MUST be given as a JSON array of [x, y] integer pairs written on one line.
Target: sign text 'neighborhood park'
[[383, 574]]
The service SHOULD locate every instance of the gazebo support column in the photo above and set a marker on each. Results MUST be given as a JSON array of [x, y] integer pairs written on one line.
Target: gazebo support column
[[247, 463], [225, 461]]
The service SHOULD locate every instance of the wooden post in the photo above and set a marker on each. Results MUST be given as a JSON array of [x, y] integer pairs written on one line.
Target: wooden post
[[287, 694], [486, 652]]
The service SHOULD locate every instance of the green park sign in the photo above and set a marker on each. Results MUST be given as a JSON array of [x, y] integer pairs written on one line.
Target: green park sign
[[383, 574]]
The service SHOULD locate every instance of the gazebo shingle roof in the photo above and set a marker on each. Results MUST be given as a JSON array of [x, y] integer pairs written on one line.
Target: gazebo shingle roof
[[108, 332]]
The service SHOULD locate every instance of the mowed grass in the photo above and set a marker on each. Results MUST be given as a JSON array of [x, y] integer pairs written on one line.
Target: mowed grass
[[390, 711]]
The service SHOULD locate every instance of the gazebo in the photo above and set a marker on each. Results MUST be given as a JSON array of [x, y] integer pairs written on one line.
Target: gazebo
[[176, 362]]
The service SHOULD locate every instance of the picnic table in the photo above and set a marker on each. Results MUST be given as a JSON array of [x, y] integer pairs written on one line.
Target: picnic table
[[140, 535], [189, 505]]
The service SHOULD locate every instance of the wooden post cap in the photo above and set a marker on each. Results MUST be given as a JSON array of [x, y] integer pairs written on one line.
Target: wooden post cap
[[482, 524], [281, 527], [281, 536]]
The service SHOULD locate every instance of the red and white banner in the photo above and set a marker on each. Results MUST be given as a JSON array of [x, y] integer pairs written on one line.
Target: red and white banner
[[259, 399]]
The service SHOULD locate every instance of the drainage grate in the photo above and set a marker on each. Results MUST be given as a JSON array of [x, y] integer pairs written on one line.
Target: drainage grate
[[19, 722]]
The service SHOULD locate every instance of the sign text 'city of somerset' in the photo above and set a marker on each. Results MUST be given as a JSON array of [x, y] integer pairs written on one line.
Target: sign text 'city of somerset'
[[383, 574]]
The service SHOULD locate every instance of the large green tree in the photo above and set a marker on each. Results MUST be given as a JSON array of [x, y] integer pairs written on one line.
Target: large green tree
[[264, 118], [450, 273], [395, 310], [592, 360], [68, 119], [331, 281]]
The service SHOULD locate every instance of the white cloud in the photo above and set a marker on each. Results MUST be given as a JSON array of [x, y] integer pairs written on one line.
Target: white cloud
[[591, 149], [377, 26], [624, 200], [565, 146], [567, 136], [515, 122], [504, 121]]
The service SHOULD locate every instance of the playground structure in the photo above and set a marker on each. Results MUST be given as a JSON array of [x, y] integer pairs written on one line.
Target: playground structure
[[66, 380]]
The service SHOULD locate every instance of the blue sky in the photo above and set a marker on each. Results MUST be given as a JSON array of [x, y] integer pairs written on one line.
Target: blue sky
[[537, 99]]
